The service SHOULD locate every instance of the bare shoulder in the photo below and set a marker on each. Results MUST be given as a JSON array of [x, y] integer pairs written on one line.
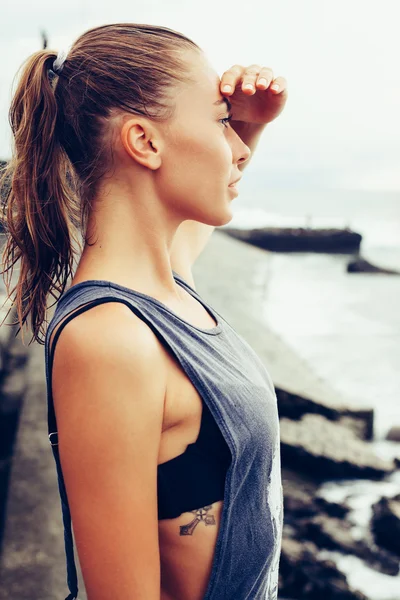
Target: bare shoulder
[[109, 382], [110, 355], [112, 322]]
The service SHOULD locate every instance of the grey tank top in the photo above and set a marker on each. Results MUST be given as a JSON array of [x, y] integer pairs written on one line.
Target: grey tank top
[[239, 393]]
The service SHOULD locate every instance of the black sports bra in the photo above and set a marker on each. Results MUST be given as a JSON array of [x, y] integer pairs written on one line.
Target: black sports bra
[[195, 478]]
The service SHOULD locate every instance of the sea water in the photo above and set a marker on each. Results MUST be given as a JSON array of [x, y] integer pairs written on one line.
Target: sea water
[[347, 326]]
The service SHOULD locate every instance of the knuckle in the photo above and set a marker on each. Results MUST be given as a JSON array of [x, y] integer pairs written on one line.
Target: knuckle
[[251, 72], [266, 71], [253, 68]]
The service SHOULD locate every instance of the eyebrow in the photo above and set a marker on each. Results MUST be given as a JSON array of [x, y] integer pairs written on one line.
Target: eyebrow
[[222, 100]]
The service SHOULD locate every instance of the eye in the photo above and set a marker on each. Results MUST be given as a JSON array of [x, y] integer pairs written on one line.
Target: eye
[[226, 120]]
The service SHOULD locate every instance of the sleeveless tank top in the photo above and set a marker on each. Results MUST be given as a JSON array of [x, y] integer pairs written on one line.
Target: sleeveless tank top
[[240, 399]]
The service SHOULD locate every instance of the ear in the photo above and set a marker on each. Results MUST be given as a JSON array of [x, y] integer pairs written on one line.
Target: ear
[[142, 143]]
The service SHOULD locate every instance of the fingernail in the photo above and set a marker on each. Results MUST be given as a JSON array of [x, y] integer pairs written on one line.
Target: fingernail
[[275, 87], [226, 88], [248, 86], [263, 81]]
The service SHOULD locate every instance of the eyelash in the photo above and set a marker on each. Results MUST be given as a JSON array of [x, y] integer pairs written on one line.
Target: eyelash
[[226, 120]]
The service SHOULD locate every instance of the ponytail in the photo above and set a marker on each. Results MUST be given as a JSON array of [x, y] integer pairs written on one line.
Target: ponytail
[[38, 210], [60, 118]]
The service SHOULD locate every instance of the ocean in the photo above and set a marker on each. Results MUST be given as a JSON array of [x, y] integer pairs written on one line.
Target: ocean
[[346, 326]]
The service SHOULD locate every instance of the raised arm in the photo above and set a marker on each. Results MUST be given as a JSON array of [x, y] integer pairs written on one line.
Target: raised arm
[[109, 386]]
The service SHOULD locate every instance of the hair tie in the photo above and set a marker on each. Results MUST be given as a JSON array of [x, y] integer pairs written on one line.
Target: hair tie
[[58, 63]]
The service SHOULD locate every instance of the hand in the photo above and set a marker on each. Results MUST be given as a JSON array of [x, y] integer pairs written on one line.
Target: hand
[[261, 103]]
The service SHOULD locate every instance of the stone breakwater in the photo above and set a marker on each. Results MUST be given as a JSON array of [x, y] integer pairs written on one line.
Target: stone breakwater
[[322, 439]]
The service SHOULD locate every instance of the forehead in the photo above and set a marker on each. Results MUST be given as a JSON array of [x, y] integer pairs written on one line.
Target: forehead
[[205, 90]]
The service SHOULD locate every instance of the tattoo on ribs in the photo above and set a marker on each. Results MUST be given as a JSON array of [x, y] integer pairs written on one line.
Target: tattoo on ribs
[[200, 515]]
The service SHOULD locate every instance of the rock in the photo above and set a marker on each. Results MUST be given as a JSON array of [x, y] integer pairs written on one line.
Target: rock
[[312, 518], [361, 265], [333, 509], [301, 500], [361, 422], [336, 534], [293, 405], [327, 450], [385, 523], [299, 239], [393, 435], [304, 575]]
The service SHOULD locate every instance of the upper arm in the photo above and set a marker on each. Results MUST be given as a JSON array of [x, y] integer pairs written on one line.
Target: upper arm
[[189, 241], [109, 389]]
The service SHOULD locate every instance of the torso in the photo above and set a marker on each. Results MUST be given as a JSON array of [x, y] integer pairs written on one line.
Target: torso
[[186, 560]]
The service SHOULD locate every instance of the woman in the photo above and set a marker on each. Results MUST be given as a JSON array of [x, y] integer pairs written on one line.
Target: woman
[[162, 419]]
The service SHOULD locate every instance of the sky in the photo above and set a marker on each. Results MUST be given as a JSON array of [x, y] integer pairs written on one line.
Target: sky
[[340, 128]]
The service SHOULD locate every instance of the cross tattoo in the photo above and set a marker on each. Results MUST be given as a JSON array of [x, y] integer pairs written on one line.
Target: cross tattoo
[[201, 515]]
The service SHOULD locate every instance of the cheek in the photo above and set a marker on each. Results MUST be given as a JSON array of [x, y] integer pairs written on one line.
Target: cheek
[[203, 157]]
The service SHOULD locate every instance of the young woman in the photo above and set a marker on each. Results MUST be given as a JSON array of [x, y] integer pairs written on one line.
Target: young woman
[[162, 419]]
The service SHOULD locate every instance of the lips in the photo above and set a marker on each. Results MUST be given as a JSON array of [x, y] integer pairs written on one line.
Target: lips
[[236, 180]]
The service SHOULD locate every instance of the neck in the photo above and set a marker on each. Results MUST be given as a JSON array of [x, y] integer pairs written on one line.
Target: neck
[[130, 239]]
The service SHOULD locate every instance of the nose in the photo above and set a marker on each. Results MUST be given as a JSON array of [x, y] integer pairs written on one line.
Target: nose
[[240, 151]]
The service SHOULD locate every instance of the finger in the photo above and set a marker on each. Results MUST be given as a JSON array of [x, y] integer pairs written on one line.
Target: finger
[[278, 85], [229, 79], [264, 78], [250, 77]]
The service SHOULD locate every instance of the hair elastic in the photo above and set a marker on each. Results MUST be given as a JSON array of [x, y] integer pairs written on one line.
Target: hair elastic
[[58, 63]]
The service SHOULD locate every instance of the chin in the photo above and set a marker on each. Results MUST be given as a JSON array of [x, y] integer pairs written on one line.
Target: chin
[[215, 218], [224, 219]]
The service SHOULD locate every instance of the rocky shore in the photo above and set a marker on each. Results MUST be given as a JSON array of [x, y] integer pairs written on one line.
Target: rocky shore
[[322, 439]]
